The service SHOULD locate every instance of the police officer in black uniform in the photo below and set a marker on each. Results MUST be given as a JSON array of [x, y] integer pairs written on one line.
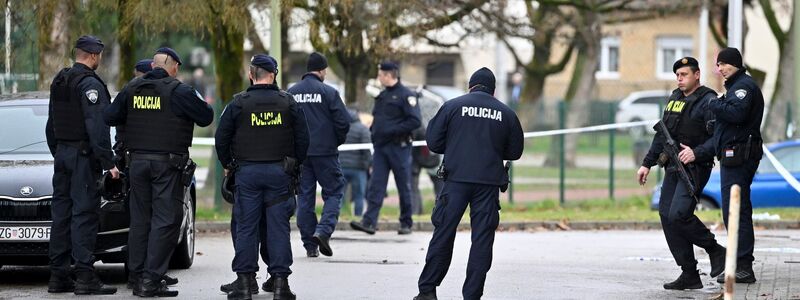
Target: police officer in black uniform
[[142, 67], [396, 115], [738, 148], [81, 146], [475, 132], [159, 113], [328, 123], [689, 122], [263, 137]]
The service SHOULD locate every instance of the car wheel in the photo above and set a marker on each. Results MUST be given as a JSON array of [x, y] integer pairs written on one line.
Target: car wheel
[[183, 257], [706, 204]]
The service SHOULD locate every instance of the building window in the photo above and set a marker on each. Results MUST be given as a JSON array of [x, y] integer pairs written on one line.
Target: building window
[[669, 50], [440, 73], [608, 64]]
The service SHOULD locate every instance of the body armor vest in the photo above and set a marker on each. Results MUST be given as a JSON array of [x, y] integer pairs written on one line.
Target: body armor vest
[[151, 124], [264, 131], [65, 101], [681, 126]]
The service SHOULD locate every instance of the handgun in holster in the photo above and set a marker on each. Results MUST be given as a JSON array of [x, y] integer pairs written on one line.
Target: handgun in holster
[[293, 168]]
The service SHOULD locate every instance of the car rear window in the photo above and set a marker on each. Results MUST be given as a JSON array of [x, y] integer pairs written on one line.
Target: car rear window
[[22, 129]]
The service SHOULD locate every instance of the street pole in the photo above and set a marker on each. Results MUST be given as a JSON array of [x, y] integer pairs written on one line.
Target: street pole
[[735, 21], [8, 48], [275, 35], [796, 33], [703, 37]]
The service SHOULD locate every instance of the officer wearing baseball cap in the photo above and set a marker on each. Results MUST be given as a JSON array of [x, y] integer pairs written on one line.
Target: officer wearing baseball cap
[[396, 115], [738, 134], [159, 113], [81, 146], [262, 137], [689, 123]]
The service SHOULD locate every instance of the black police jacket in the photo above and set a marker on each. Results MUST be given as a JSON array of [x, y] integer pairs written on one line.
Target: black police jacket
[[475, 132], [327, 118], [185, 103], [396, 114], [230, 120], [80, 112], [739, 113], [691, 126]]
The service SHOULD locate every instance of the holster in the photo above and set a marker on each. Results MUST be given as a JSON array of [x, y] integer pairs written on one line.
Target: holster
[[187, 173], [292, 168]]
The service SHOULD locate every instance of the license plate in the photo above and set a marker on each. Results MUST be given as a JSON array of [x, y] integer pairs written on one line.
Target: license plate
[[24, 233]]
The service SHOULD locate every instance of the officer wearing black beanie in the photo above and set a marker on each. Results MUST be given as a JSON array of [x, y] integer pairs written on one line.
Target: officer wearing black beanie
[[738, 132], [473, 173], [328, 123]]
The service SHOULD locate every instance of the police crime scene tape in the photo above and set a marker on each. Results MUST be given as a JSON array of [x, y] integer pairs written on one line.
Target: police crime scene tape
[[368, 146]]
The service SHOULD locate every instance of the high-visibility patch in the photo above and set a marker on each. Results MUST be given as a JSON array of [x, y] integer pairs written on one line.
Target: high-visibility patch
[[147, 102], [267, 118]]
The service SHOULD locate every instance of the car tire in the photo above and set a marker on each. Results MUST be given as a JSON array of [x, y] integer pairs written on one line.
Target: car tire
[[183, 257], [706, 204]]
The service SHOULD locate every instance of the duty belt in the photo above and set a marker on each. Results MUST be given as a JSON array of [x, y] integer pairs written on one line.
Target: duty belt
[[150, 156], [76, 144]]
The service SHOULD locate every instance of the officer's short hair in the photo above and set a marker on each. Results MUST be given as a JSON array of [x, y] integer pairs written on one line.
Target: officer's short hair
[[258, 73], [167, 60], [81, 54]]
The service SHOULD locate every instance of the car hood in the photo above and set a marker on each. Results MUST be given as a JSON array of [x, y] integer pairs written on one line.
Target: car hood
[[29, 176]]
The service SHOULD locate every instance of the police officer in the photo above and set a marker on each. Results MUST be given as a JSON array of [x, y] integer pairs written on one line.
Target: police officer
[[688, 121], [263, 137], [142, 67], [159, 113], [474, 173], [396, 115], [328, 123], [738, 148], [81, 146]]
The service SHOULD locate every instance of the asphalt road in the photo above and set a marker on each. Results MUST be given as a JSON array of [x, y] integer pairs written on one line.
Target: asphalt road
[[527, 265]]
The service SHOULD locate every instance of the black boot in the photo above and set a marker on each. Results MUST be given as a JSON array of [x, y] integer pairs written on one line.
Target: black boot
[[282, 290], [324, 244], [717, 257], [312, 253], [60, 282], [269, 285], [426, 296], [744, 274], [241, 290], [687, 281], [228, 287], [89, 284], [154, 288], [361, 227], [169, 280]]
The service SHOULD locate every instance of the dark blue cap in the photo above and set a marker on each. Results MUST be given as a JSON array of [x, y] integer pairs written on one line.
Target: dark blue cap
[[171, 53], [265, 62], [388, 66], [89, 43], [144, 65]]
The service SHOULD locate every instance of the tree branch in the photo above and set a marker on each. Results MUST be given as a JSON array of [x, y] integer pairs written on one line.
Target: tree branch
[[774, 26]]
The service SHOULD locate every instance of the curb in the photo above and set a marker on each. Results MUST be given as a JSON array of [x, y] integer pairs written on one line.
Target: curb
[[224, 226]]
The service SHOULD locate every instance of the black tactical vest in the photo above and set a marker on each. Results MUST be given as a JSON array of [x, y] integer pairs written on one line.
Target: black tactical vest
[[677, 118], [264, 131], [151, 124], [65, 101]]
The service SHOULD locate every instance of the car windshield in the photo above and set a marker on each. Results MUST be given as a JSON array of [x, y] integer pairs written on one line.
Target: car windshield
[[23, 129], [789, 157]]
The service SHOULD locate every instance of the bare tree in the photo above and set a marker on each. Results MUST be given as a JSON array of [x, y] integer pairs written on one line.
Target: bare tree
[[53, 26]]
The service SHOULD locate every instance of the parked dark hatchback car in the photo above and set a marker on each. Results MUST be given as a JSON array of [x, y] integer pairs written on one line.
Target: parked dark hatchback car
[[26, 172]]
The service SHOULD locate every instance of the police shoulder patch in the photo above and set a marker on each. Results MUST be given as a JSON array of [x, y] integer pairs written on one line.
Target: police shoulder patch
[[740, 93], [412, 100], [92, 95]]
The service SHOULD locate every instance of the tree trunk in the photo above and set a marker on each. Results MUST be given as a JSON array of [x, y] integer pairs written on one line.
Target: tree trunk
[[580, 89], [529, 109], [53, 20], [780, 105], [127, 39], [228, 56]]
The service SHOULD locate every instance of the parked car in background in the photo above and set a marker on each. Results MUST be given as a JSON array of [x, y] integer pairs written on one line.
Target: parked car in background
[[769, 189], [641, 106], [26, 191]]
